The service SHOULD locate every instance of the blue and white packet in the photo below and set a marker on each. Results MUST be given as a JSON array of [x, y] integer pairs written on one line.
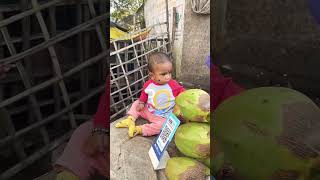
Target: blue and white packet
[[158, 153]]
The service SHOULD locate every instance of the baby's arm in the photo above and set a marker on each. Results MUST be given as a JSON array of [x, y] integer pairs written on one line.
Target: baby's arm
[[140, 106], [143, 97], [176, 88]]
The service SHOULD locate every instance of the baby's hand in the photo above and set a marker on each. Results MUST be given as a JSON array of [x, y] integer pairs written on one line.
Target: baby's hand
[[140, 106]]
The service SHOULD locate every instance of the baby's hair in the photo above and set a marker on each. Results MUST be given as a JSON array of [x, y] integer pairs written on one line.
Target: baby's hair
[[157, 58]]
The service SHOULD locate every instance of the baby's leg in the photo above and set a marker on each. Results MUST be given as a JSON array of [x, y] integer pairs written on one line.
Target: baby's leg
[[133, 114], [154, 127], [129, 122], [133, 110]]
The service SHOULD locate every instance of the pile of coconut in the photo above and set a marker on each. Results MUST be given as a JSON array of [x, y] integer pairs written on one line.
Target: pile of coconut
[[192, 138]]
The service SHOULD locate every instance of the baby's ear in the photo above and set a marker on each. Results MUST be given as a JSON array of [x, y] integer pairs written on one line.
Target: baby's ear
[[151, 75]]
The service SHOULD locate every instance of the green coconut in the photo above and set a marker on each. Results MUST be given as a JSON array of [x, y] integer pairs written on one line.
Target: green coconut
[[193, 105], [184, 168], [205, 161], [193, 140], [270, 133]]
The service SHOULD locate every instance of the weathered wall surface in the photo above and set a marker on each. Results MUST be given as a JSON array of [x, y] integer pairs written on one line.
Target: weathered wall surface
[[155, 12], [196, 47], [273, 42]]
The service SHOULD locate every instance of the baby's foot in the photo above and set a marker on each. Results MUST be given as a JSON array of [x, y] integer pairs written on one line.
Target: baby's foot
[[129, 121], [137, 130]]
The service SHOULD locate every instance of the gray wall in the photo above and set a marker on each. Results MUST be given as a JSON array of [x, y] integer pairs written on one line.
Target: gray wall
[[196, 47], [271, 42]]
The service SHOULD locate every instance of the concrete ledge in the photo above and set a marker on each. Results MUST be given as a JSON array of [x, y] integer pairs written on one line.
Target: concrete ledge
[[129, 157]]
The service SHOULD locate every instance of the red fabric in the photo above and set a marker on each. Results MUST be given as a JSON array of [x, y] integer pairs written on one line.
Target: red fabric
[[176, 88], [144, 96], [174, 85], [221, 88], [102, 116]]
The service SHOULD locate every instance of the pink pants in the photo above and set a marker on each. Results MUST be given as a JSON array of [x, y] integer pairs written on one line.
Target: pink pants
[[156, 121], [76, 161]]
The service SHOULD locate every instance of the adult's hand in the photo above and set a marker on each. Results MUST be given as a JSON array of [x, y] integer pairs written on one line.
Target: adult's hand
[[96, 144]]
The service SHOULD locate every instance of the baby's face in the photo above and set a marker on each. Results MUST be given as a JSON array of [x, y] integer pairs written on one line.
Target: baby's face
[[162, 73]]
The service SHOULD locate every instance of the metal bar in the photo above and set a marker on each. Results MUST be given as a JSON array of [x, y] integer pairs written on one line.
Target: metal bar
[[53, 40], [51, 117], [27, 83], [26, 26], [87, 41], [13, 78], [113, 77], [130, 46], [16, 7], [123, 88], [138, 57], [143, 49], [119, 112], [135, 93], [166, 49], [53, 80], [36, 36], [55, 63], [167, 19], [8, 125], [173, 28], [126, 74], [28, 13], [53, 30], [117, 85], [141, 30], [24, 108], [84, 73], [101, 36], [138, 61], [112, 102], [103, 10]]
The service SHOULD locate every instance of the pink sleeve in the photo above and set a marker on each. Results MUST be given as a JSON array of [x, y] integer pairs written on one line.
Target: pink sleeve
[[101, 118], [221, 88], [176, 88], [144, 96]]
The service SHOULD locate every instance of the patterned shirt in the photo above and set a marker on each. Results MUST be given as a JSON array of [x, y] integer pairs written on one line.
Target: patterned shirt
[[159, 98]]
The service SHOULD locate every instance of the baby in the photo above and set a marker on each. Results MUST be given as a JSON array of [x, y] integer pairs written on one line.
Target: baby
[[157, 98]]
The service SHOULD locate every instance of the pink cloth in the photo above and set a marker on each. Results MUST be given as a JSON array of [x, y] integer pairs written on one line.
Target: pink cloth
[[156, 121], [101, 118], [76, 161], [221, 88], [73, 158]]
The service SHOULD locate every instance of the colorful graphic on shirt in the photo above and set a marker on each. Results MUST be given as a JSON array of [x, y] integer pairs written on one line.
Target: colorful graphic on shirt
[[162, 99]]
